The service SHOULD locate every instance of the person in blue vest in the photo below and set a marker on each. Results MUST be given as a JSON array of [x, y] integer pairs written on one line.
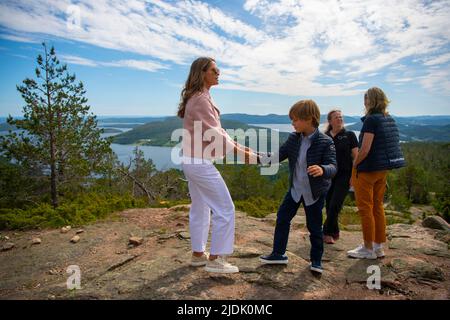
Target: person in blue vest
[[312, 164], [379, 151]]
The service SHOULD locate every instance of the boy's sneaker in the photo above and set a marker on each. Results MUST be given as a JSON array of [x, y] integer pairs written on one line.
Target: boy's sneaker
[[199, 261], [274, 258], [361, 252], [220, 265], [316, 267], [379, 252]]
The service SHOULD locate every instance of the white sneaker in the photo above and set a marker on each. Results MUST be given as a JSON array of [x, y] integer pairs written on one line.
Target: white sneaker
[[379, 252], [199, 261], [378, 249], [220, 265], [361, 252]]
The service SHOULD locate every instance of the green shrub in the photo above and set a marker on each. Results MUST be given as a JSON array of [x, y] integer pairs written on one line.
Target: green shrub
[[257, 207], [74, 210], [348, 216], [442, 203], [399, 202]]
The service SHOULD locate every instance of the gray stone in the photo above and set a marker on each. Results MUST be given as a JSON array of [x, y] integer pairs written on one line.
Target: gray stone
[[166, 236], [135, 241], [436, 222], [75, 239], [36, 241], [7, 246], [415, 268], [184, 235], [65, 229]]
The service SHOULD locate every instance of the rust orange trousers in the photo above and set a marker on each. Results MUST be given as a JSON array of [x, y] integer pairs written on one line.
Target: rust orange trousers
[[369, 193]]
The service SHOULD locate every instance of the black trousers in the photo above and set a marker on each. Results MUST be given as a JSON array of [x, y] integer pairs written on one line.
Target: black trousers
[[335, 199]]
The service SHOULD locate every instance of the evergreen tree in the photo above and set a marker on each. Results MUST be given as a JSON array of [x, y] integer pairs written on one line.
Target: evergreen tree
[[57, 135]]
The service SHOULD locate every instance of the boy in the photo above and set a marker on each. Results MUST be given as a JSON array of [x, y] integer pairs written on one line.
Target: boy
[[312, 164]]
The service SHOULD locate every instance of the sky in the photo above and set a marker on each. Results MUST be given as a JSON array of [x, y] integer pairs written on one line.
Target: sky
[[134, 56]]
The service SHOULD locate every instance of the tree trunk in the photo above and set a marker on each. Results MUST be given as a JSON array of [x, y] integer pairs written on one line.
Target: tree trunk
[[53, 184]]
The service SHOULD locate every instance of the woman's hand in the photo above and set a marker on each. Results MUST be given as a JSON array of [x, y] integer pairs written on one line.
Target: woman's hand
[[315, 171]]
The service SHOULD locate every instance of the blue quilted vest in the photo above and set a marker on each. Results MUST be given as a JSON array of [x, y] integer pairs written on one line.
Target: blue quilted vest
[[385, 152]]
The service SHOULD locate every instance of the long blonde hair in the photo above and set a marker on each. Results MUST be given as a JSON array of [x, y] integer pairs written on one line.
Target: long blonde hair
[[330, 114], [378, 101], [194, 82]]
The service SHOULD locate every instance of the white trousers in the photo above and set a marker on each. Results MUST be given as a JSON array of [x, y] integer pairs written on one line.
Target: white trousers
[[209, 193]]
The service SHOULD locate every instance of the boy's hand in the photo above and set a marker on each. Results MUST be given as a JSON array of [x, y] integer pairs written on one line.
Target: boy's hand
[[264, 158], [315, 171]]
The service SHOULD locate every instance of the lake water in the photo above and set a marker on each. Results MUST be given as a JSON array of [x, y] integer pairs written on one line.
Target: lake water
[[161, 156]]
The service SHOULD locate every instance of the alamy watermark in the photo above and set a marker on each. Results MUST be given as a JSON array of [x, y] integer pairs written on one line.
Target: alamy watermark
[[74, 280], [217, 144], [374, 280]]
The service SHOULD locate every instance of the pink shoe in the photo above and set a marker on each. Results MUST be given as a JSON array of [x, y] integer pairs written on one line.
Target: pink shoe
[[328, 239]]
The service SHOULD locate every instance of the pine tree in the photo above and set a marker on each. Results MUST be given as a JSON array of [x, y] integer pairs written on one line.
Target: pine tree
[[57, 134]]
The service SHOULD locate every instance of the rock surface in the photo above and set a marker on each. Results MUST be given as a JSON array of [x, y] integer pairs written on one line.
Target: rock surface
[[436, 222], [417, 263], [75, 239], [135, 241]]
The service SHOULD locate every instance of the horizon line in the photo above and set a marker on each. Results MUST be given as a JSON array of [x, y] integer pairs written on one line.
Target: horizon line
[[250, 114]]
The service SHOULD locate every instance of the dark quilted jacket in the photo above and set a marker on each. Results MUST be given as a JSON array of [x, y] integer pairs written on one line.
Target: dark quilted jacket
[[321, 152]]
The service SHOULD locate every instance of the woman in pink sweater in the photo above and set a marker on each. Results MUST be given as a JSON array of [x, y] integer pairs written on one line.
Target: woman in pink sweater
[[204, 140]]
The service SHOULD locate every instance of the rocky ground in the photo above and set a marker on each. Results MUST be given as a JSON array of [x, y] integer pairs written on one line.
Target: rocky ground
[[154, 264]]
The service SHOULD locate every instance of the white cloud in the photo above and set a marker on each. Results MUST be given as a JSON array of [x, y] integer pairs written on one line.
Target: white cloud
[[137, 64], [145, 65], [78, 60], [437, 81], [295, 46], [17, 38], [444, 58]]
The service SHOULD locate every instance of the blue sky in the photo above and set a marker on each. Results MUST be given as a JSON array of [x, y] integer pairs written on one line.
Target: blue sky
[[134, 56]]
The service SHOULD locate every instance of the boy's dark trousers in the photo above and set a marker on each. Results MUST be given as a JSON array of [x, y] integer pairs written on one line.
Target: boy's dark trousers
[[334, 201], [286, 213]]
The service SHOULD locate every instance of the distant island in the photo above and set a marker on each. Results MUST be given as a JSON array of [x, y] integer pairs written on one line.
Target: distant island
[[158, 133]]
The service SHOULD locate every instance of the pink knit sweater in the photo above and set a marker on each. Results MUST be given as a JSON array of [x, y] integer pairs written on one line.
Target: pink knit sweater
[[204, 137]]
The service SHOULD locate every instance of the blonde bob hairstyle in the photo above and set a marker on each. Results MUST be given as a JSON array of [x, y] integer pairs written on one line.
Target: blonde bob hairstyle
[[377, 101]]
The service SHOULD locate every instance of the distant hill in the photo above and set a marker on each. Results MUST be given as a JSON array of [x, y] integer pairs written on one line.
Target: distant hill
[[415, 132], [158, 133], [127, 120], [273, 118], [111, 130]]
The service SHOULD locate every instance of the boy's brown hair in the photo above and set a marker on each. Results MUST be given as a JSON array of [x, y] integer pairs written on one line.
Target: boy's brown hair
[[305, 110]]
